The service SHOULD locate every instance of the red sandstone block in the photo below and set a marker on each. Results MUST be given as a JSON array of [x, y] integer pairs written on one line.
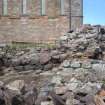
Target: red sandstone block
[[14, 8], [34, 8]]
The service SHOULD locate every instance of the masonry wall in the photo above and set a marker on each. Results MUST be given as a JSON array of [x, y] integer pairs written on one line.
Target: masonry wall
[[32, 27], [76, 13], [30, 30]]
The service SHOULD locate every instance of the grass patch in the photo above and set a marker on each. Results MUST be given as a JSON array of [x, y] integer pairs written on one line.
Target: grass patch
[[23, 45]]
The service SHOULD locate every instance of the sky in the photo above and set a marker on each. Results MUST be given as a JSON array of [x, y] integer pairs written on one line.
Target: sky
[[94, 12]]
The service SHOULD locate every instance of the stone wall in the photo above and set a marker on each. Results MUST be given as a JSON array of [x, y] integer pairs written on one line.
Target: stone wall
[[32, 26], [31, 30], [76, 13]]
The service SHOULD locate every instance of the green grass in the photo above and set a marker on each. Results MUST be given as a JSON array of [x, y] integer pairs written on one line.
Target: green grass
[[22, 45]]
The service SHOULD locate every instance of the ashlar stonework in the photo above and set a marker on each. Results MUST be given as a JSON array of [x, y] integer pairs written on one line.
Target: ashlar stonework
[[38, 20]]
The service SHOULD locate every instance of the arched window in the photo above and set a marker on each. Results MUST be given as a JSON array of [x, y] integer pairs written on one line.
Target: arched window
[[24, 7], [62, 7], [5, 7], [43, 7]]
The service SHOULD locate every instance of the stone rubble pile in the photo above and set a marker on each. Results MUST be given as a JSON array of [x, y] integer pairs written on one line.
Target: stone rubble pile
[[33, 59], [87, 41], [84, 40], [74, 82], [72, 73]]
